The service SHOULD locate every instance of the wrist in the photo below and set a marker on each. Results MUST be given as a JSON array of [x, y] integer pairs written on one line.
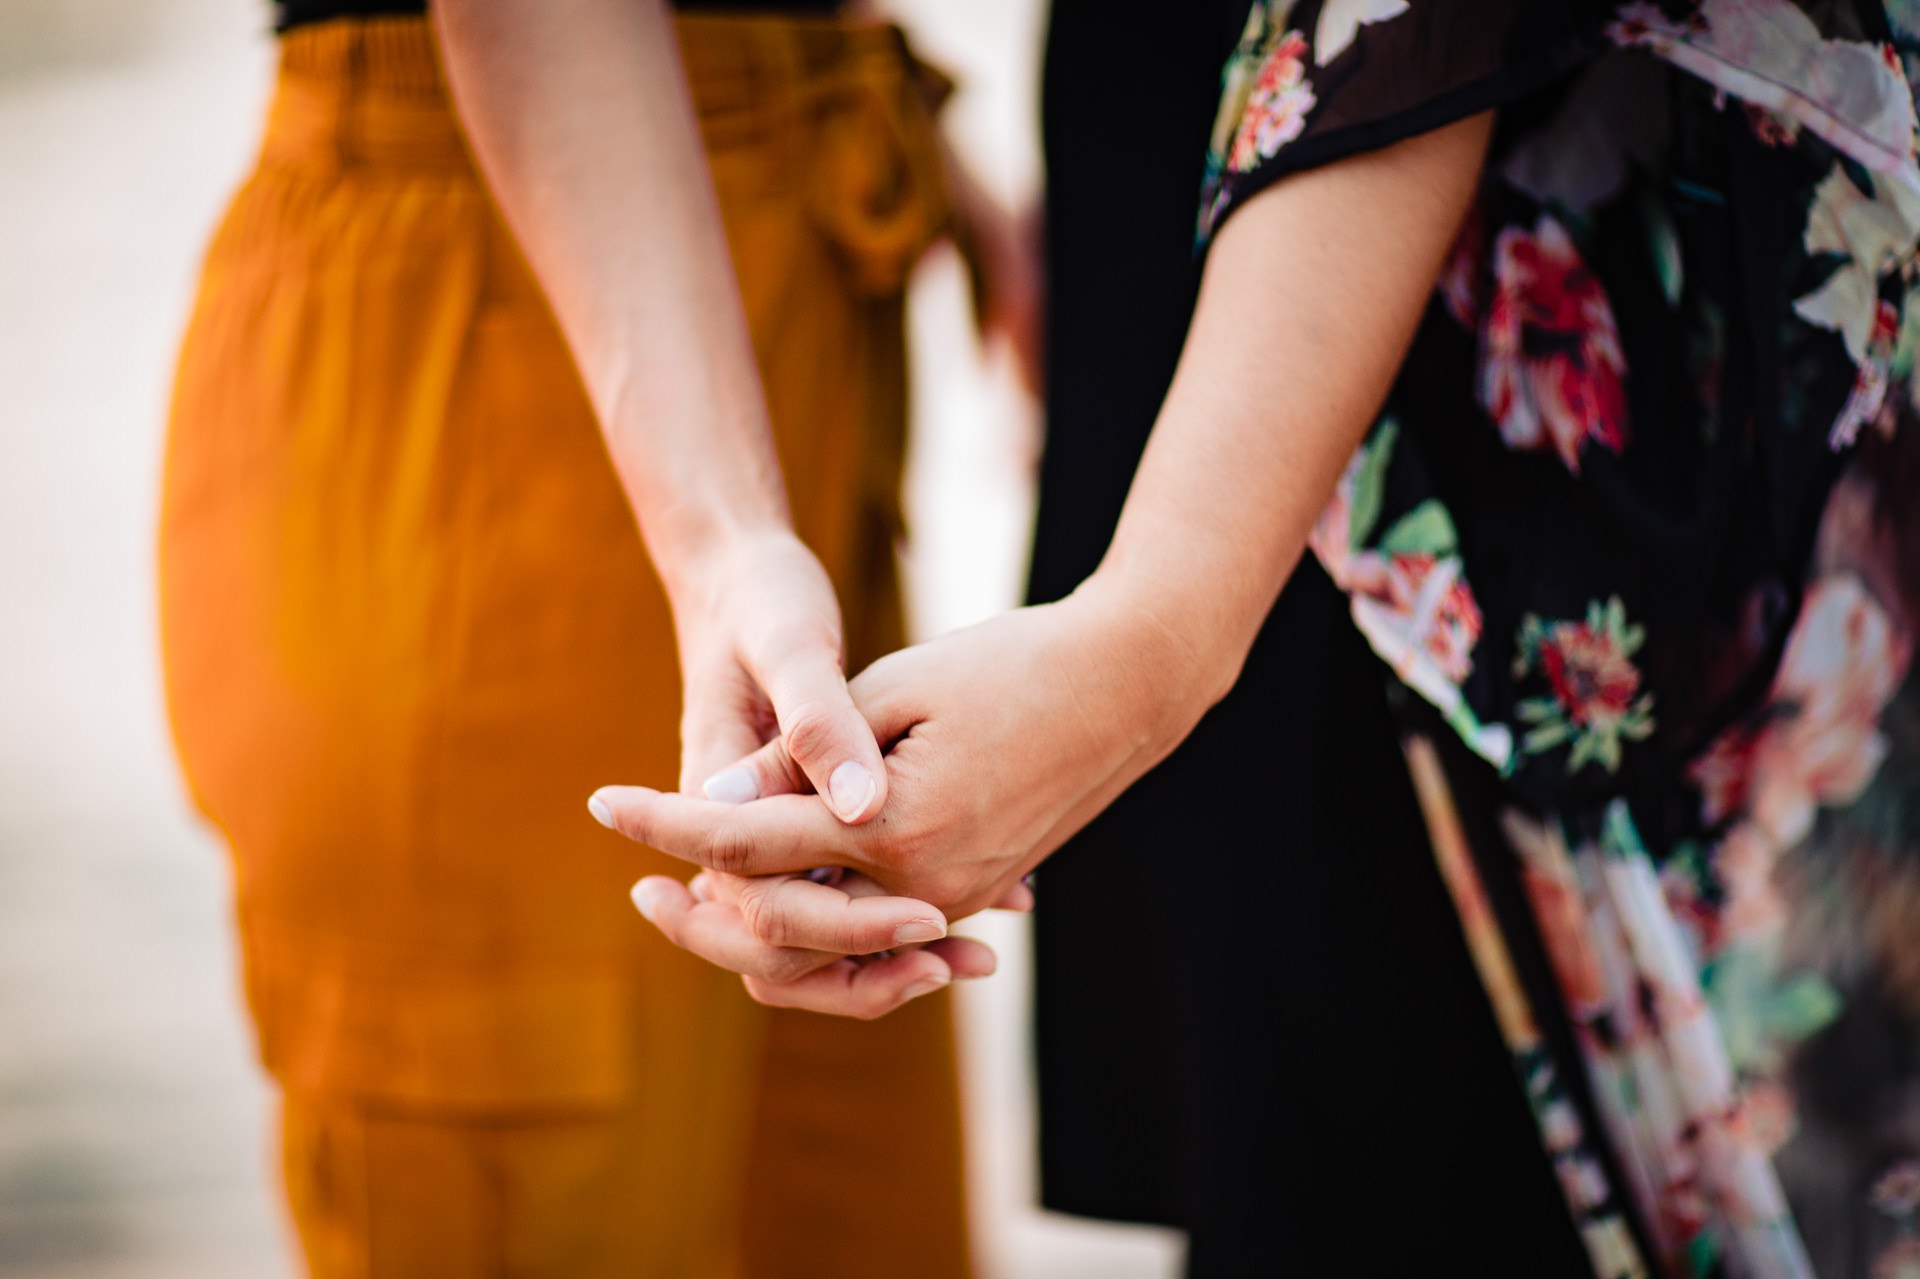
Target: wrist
[[1176, 660], [709, 571], [703, 495]]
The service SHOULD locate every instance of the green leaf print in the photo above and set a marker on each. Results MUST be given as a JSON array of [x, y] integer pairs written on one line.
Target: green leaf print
[[1758, 1013], [1663, 243], [1370, 480], [1427, 529], [1801, 1007]]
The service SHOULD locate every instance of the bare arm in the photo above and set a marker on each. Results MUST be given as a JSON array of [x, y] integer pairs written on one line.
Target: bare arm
[[1310, 299], [579, 114], [1017, 732]]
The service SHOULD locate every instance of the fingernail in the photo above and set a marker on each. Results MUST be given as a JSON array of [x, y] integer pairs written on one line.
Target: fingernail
[[915, 931], [646, 896], [925, 986], [851, 788], [734, 785], [701, 888], [601, 813], [828, 875]]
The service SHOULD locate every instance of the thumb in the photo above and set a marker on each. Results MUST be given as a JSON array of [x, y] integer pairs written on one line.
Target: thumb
[[823, 735]]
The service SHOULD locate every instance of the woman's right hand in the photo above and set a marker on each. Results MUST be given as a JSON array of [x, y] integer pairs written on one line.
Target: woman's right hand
[[579, 115], [761, 657]]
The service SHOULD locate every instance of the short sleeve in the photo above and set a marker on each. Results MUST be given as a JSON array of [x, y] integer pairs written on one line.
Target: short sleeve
[[1312, 81]]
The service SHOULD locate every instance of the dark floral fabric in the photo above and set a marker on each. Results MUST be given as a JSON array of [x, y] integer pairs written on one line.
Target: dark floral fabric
[[1639, 520]]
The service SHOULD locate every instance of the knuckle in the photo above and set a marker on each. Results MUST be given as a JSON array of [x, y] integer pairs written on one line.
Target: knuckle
[[808, 733], [728, 849], [764, 917], [857, 937]]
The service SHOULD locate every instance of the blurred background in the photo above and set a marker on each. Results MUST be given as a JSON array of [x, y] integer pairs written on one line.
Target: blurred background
[[134, 1138]]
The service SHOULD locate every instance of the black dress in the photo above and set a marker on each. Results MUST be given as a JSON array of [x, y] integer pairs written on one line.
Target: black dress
[[1256, 1016], [1635, 533]]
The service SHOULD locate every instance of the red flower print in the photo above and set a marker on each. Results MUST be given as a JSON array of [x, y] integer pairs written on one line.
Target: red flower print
[[1817, 739], [1551, 369], [1592, 678], [1772, 130], [1438, 614], [1870, 381], [1886, 324], [1681, 1209], [1277, 107], [1595, 699], [1636, 23], [1724, 773]]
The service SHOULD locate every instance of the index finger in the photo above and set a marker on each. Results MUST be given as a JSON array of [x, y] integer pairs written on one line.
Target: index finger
[[782, 833], [794, 912], [718, 933]]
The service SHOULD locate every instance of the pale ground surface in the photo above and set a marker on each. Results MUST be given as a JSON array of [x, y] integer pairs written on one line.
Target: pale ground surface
[[133, 1124]]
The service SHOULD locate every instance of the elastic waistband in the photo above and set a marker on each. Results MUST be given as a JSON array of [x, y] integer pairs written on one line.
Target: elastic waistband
[[372, 90]]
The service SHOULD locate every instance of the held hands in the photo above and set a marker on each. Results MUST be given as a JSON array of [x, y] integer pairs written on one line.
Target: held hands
[[759, 631], [1002, 741], [1005, 739]]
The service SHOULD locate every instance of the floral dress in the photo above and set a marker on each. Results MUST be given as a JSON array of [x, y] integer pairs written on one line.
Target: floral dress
[[1639, 521]]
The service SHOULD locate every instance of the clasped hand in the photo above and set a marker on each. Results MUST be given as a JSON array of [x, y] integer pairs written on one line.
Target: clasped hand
[[999, 742]]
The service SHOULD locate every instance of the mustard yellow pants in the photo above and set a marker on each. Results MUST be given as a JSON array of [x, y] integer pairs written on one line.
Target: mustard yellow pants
[[409, 626]]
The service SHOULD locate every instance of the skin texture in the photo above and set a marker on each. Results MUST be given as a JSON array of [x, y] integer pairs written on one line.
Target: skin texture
[[1006, 738], [579, 115]]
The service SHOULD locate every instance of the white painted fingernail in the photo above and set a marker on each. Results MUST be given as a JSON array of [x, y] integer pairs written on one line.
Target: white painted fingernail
[[925, 986], [646, 898], [601, 813], [734, 785], [851, 788], [915, 931]]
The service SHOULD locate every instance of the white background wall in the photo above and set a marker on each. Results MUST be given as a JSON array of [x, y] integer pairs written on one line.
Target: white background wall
[[133, 1124]]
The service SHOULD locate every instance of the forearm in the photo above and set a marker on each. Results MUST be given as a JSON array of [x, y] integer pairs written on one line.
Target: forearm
[[579, 115], [1310, 298]]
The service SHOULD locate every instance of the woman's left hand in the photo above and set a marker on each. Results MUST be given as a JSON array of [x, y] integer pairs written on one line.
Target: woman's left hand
[[1003, 740]]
